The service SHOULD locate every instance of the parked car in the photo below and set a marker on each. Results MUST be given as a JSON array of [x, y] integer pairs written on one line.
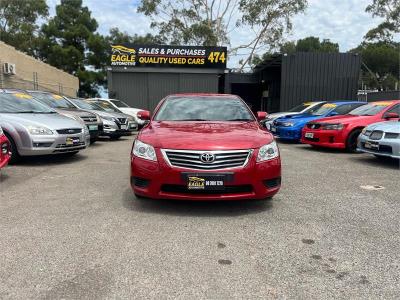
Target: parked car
[[204, 147], [115, 124], [290, 127], [342, 131], [122, 107], [381, 139], [62, 106], [5, 149], [33, 128], [304, 108]]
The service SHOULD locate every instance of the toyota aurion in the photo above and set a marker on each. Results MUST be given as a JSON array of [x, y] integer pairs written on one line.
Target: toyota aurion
[[204, 147]]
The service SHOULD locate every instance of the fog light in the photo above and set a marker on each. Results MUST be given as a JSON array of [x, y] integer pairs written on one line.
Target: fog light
[[4, 148]]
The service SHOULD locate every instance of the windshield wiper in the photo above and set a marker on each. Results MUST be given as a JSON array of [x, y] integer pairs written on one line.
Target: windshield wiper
[[244, 120], [192, 120], [34, 112]]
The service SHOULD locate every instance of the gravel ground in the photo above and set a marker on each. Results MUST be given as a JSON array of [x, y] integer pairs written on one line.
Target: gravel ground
[[71, 228]]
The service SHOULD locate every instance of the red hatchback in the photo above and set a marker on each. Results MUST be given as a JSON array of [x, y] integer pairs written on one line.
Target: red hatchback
[[204, 147], [4, 150], [342, 131]]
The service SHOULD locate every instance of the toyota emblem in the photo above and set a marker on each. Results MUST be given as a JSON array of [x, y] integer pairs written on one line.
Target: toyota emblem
[[207, 157]]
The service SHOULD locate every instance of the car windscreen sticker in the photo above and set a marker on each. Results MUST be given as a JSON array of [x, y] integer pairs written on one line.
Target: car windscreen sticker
[[57, 97], [307, 103], [329, 105], [22, 96], [383, 103]]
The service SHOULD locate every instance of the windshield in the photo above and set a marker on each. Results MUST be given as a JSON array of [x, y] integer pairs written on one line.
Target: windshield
[[105, 106], [370, 109], [21, 103], [324, 109], [53, 100], [119, 103], [300, 107], [85, 105], [203, 109]]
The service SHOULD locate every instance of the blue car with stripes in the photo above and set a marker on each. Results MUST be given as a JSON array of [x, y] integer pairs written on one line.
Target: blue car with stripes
[[289, 127]]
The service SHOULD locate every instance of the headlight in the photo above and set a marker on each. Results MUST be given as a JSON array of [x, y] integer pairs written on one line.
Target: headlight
[[98, 119], [144, 151], [366, 131], [85, 130], [1, 131], [131, 119], [267, 152], [332, 126], [287, 124], [39, 130]]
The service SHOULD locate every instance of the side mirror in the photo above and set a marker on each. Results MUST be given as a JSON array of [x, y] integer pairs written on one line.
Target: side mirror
[[261, 115], [333, 113], [392, 115], [144, 115]]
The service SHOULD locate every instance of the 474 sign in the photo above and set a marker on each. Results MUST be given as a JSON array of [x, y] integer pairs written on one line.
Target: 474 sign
[[133, 56]]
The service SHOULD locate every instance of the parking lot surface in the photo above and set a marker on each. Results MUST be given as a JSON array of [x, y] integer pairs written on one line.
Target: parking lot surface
[[71, 228]]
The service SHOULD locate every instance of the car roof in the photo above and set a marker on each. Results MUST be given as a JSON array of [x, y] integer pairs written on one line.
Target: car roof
[[342, 102], [388, 101], [202, 95]]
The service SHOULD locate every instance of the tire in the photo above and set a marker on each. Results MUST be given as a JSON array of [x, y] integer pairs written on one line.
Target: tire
[[15, 157], [115, 137], [351, 142], [92, 141]]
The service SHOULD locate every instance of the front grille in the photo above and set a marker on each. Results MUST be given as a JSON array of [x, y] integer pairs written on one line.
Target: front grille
[[122, 120], [65, 146], [376, 135], [89, 119], [192, 159], [391, 135], [313, 125], [182, 189], [69, 131]]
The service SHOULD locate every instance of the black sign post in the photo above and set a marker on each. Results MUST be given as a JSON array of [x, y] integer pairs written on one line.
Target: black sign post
[[132, 56]]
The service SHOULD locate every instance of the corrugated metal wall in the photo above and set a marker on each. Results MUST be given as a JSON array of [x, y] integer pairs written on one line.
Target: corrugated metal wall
[[145, 90], [383, 95], [318, 76]]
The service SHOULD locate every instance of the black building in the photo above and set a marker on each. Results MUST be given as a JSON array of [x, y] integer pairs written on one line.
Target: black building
[[277, 84]]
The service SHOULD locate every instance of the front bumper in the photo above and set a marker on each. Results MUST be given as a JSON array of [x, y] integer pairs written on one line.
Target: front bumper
[[324, 138], [286, 133], [158, 180], [386, 147], [53, 144]]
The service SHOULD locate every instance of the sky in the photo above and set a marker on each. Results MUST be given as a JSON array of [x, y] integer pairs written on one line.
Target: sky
[[342, 21]]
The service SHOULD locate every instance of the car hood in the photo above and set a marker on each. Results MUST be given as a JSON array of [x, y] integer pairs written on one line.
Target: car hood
[[388, 126], [129, 110], [51, 121], [204, 135], [299, 119], [75, 112], [280, 114]]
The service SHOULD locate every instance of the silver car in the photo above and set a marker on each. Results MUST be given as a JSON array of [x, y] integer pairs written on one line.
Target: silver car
[[304, 108], [62, 106], [115, 124], [35, 129], [381, 139]]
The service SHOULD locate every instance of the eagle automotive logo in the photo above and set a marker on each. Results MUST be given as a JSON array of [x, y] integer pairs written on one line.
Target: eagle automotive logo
[[207, 157], [123, 56]]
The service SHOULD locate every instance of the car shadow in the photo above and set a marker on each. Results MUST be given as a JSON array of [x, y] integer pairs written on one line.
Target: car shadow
[[287, 142], [195, 208], [388, 163], [58, 159]]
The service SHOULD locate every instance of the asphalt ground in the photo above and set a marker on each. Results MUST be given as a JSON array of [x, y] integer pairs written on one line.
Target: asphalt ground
[[71, 228]]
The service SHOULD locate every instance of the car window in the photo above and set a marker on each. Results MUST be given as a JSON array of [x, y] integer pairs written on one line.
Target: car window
[[346, 108], [394, 109], [203, 109], [324, 109], [84, 105], [300, 107], [21, 103], [106, 106], [53, 100], [119, 103], [370, 109], [311, 109]]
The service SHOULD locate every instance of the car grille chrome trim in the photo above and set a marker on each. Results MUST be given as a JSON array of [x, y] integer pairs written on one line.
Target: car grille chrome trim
[[69, 131], [190, 159], [89, 118], [376, 135], [122, 120], [392, 135]]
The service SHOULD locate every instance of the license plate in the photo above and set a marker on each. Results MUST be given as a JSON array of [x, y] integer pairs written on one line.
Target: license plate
[[93, 127], [206, 183], [71, 141], [124, 127], [273, 129], [309, 135], [371, 145]]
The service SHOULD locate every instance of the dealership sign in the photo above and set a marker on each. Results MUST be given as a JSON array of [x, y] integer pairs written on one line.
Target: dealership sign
[[168, 56]]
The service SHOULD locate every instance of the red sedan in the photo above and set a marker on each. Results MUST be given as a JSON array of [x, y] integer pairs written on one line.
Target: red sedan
[[342, 131], [204, 147], [4, 150]]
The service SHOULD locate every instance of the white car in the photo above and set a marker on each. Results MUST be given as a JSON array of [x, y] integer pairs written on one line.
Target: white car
[[304, 108], [121, 106]]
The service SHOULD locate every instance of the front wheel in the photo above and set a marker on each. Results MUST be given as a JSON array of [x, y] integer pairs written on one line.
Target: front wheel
[[351, 142], [15, 157]]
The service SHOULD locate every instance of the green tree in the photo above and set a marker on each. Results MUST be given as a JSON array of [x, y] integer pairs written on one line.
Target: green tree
[[18, 26], [210, 23], [66, 41], [381, 63], [389, 10]]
